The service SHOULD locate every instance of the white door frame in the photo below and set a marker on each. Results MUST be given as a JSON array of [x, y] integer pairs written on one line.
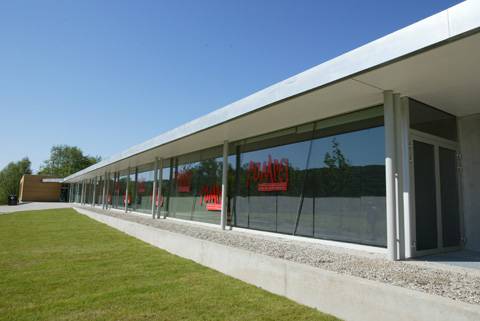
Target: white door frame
[[437, 142]]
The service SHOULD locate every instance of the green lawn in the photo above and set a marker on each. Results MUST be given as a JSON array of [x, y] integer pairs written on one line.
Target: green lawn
[[59, 265]]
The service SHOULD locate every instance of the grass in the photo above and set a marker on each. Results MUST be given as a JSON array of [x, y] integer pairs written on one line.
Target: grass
[[59, 265]]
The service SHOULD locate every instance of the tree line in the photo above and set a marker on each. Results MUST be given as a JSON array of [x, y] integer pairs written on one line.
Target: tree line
[[64, 160]]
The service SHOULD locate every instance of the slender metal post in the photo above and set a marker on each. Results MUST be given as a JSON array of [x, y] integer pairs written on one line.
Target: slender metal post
[[154, 189], [389, 120], [126, 190], [223, 213]]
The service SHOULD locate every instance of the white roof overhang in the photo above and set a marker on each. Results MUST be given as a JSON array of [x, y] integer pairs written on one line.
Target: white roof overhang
[[434, 60]]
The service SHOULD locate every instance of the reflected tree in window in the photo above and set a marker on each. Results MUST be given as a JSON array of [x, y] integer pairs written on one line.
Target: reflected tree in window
[[337, 174]]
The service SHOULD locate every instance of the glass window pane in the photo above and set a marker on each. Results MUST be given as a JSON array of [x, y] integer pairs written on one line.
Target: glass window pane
[[347, 183], [120, 188], [144, 189], [162, 200], [432, 121], [326, 182], [195, 191]]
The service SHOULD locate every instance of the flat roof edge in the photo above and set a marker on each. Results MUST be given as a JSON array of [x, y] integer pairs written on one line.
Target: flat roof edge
[[433, 30]]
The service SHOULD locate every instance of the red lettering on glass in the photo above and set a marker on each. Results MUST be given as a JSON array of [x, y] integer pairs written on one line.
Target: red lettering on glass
[[271, 176], [211, 197], [184, 181]]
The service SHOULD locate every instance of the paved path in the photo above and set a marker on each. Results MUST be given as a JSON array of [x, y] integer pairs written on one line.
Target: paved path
[[32, 206]]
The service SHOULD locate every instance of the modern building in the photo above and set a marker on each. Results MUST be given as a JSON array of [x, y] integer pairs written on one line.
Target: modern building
[[378, 147]]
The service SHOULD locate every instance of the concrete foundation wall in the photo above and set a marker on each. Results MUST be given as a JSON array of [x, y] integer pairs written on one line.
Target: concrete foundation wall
[[470, 148], [347, 297]]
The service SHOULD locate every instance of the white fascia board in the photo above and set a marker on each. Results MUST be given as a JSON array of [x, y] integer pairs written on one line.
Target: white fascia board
[[52, 180], [426, 33]]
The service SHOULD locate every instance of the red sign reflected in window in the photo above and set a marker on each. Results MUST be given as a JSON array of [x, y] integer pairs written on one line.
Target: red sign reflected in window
[[184, 181], [141, 185], [271, 176], [211, 197]]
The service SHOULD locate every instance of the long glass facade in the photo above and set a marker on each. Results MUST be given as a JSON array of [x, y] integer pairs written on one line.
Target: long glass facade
[[325, 179]]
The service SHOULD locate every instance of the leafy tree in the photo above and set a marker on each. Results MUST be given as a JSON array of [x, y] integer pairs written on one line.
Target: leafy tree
[[65, 160], [10, 177]]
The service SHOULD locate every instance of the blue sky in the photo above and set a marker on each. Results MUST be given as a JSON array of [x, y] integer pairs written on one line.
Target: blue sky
[[105, 75]]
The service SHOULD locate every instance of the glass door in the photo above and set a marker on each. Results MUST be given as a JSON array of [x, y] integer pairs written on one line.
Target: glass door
[[449, 197], [436, 205]]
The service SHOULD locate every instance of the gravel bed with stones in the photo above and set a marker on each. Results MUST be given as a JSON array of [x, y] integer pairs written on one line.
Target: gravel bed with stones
[[455, 284]]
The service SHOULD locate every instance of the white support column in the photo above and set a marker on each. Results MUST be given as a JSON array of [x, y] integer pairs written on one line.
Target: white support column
[[94, 193], [406, 163], [223, 216], [154, 190], [399, 217], [104, 189], [126, 190], [159, 189], [389, 119]]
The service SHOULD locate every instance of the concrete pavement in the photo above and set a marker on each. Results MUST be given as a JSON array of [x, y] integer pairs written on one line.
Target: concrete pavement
[[33, 206]]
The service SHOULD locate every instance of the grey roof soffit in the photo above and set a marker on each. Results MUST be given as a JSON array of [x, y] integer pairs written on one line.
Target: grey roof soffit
[[424, 34]]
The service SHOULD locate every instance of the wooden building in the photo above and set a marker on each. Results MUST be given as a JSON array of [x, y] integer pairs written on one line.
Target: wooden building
[[40, 188]]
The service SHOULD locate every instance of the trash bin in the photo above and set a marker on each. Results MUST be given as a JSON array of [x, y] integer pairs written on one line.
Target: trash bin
[[12, 199]]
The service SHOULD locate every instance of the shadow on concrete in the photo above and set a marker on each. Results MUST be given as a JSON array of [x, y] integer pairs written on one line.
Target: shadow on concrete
[[464, 258]]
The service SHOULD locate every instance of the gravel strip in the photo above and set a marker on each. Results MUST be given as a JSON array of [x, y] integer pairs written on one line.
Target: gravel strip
[[459, 285]]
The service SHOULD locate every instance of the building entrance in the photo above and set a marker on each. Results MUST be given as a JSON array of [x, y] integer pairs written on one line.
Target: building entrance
[[436, 202]]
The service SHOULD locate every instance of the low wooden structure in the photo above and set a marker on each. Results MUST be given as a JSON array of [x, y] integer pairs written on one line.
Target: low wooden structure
[[39, 188]]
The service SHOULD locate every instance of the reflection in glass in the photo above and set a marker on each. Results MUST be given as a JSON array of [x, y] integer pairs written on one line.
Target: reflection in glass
[[195, 191], [144, 189], [328, 184], [162, 200], [425, 196], [449, 197]]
